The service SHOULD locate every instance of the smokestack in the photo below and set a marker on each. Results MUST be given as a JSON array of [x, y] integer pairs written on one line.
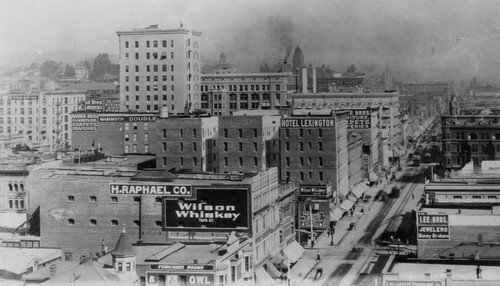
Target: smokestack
[[304, 80], [314, 80]]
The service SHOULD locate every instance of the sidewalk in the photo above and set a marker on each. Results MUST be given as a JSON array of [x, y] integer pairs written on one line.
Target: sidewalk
[[306, 266]]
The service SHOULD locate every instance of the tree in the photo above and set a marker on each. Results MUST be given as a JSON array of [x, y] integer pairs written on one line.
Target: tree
[[50, 69], [351, 69], [103, 68], [69, 71]]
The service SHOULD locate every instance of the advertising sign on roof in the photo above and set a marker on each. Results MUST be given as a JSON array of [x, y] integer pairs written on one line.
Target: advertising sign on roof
[[223, 208], [307, 122], [433, 226]]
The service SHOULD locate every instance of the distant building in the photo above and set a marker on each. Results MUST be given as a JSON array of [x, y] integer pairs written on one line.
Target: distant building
[[160, 68], [470, 134], [223, 94]]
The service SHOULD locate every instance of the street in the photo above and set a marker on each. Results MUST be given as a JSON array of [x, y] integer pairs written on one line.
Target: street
[[356, 259]]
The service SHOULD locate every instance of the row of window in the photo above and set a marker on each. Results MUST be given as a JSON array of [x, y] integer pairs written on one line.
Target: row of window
[[134, 137], [153, 78], [241, 87], [16, 187], [155, 88], [243, 97], [148, 44], [301, 146], [148, 97], [301, 161], [113, 199], [135, 149], [113, 222], [472, 136], [301, 132], [44, 101], [310, 176], [16, 203], [156, 107]]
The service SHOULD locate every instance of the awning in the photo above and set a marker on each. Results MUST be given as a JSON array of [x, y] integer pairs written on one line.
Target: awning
[[262, 278], [12, 220], [359, 189], [373, 177], [336, 215], [293, 251], [271, 269], [346, 205], [279, 261]]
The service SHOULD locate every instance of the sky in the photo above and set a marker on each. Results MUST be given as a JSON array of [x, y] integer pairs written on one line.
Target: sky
[[414, 40]]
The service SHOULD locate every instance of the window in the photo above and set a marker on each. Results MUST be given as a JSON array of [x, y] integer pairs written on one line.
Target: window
[[71, 199], [301, 132], [68, 255], [240, 133], [476, 197], [164, 133], [255, 161], [302, 161], [301, 146], [492, 197], [158, 223], [181, 146], [320, 146], [302, 176], [457, 197], [120, 267], [287, 160], [137, 199], [255, 133], [320, 176], [225, 146], [93, 222], [240, 146], [71, 221], [255, 146], [240, 161], [225, 162], [114, 222], [93, 199], [114, 199], [320, 161], [126, 44], [225, 133], [164, 146], [287, 146], [158, 200], [137, 223], [194, 133]]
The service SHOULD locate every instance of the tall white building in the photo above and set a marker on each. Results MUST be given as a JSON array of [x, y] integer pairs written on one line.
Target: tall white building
[[159, 68]]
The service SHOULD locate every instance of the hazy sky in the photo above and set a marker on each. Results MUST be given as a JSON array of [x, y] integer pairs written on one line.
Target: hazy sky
[[433, 38]]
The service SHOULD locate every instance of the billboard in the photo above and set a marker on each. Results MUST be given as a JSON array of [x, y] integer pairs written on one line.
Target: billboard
[[359, 119], [211, 208], [150, 189], [307, 122], [84, 122], [433, 226], [312, 190], [318, 220], [179, 279]]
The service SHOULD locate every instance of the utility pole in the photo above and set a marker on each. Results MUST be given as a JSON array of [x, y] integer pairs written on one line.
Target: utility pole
[[312, 230]]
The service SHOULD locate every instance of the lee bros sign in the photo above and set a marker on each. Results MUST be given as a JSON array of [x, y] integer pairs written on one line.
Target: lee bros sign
[[196, 207]]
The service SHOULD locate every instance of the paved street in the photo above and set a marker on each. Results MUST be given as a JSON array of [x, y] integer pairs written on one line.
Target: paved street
[[353, 251]]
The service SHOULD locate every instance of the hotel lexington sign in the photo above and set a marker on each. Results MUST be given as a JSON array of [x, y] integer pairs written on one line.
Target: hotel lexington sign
[[307, 122], [433, 226]]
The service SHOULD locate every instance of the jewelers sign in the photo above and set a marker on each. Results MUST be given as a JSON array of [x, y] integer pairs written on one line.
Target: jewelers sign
[[308, 122], [222, 208], [433, 226]]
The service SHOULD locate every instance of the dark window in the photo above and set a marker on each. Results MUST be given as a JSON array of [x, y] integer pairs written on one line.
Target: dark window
[[114, 222], [93, 222], [93, 199], [71, 199], [114, 199], [137, 199], [71, 221]]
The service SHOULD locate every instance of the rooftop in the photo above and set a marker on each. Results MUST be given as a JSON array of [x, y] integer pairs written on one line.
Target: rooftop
[[438, 271]]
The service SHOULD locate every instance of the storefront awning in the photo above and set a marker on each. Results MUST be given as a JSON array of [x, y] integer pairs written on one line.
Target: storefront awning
[[359, 189], [293, 251], [262, 278], [279, 261], [336, 215], [271, 269], [12, 220], [373, 177], [346, 205]]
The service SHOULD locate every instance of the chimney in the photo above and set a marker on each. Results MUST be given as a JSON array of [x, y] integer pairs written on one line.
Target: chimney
[[53, 269], [304, 80]]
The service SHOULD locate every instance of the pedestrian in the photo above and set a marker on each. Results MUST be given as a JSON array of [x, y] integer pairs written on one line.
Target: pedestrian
[[319, 273], [412, 196], [318, 257], [478, 272]]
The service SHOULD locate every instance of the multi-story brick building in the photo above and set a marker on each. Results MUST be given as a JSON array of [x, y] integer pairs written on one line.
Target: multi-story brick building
[[13, 195], [314, 151], [160, 68], [114, 133], [469, 135], [38, 120], [387, 104], [87, 206], [222, 144], [223, 94]]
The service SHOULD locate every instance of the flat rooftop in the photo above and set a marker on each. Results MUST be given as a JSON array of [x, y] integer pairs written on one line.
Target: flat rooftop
[[438, 271]]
